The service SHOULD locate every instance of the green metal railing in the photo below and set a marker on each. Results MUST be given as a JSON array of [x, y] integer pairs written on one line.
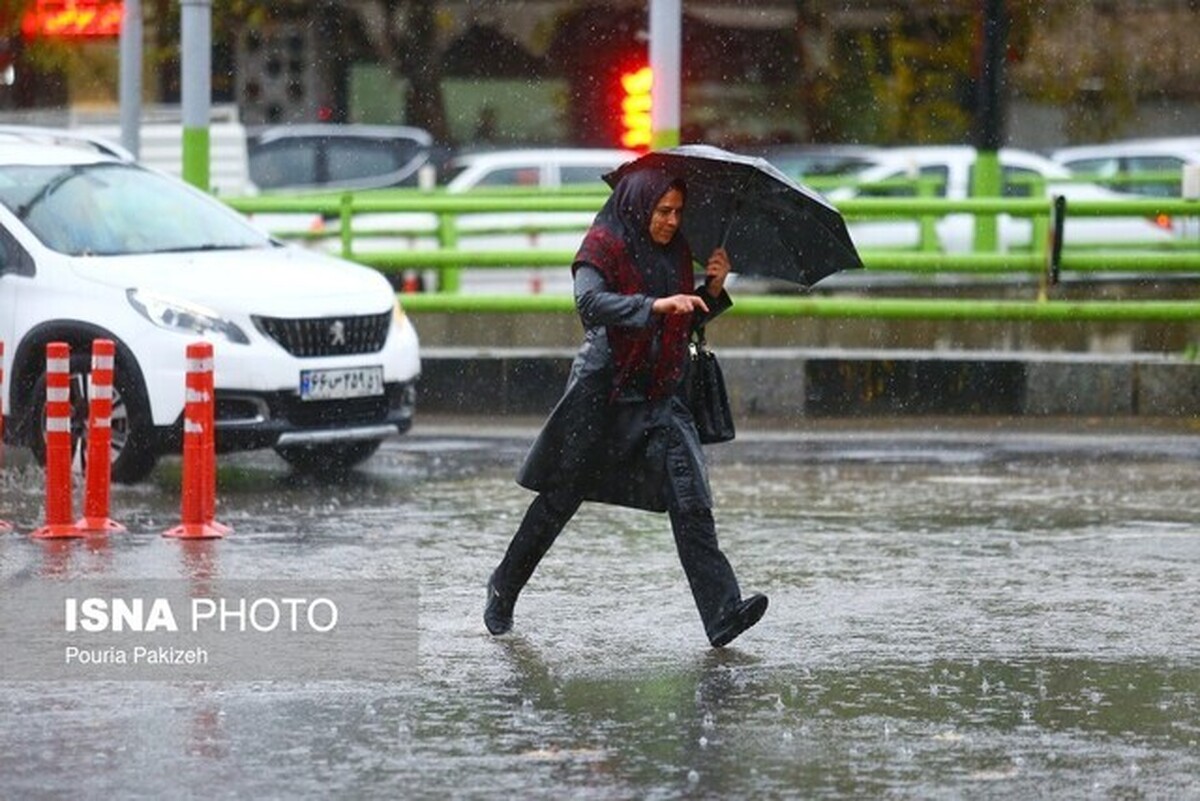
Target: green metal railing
[[437, 222], [849, 308]]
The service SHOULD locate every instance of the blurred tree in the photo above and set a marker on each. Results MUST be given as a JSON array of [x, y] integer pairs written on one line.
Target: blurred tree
[[406, 42], [905, 73], [1090, 58], [862, 70]]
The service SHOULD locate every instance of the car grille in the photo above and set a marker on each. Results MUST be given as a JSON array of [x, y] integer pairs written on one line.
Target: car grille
[[327, 336], [318, 414]]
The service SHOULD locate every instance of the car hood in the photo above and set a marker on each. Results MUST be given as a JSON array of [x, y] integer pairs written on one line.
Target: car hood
[[278, 281]]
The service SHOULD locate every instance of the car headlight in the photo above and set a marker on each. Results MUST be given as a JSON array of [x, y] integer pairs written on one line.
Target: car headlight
[[183, 317]]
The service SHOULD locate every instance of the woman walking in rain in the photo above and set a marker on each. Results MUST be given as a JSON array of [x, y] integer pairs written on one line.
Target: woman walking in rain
[[621, 433]]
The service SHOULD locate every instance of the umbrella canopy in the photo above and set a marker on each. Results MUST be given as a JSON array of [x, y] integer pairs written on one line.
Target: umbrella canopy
[[769, 224]]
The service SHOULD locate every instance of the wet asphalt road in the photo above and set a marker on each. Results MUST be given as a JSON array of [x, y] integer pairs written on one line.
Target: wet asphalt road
[[956, 612]]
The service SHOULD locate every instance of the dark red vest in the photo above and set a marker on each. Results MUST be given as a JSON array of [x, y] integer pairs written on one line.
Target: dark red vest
[[633, 348]]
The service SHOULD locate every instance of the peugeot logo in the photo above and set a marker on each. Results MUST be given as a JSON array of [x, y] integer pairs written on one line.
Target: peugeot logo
[[337, 333]]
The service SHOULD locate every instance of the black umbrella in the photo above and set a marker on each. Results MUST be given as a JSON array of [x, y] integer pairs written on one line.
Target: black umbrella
[[769, 224]]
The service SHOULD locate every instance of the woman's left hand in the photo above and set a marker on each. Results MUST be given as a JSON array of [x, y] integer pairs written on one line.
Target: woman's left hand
[[716, 270]]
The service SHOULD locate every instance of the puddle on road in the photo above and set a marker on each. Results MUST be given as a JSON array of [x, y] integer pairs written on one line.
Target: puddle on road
[[953, 623]]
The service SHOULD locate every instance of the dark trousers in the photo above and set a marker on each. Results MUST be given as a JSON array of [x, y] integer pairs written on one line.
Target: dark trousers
[[714, 586]]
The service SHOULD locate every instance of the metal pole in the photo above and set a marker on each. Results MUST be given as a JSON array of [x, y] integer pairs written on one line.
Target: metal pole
[[131, 76], [989, 115], [666, 24], [989, 110], [196, 25]]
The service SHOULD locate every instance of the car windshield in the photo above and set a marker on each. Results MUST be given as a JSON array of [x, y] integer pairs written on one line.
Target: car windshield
[[115, 209]]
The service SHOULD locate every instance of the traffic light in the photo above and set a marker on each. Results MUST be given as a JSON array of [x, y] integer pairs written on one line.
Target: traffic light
[[636, 130]]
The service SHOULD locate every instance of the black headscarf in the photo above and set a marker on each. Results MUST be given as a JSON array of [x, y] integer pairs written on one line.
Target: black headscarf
[[627, 213]]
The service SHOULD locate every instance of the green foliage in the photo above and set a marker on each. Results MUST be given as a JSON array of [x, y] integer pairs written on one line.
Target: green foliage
[[911, 80], [906, 83]]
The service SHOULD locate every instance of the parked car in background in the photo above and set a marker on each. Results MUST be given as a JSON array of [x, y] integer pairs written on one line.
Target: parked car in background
[[329, 157], [313, 355], [817, 161], [536, 168], [1118, 160], [950, 169], [548, 168]]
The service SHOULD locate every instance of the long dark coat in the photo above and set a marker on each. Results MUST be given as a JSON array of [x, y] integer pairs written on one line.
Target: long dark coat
[[614, 444]]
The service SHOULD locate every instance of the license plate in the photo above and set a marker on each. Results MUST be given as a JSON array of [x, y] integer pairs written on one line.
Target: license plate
[[348, 382]]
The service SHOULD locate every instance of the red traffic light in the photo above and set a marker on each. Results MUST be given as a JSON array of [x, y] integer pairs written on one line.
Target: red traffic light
[[636, 132]]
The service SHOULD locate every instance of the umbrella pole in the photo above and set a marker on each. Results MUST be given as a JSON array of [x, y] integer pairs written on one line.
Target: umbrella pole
[[737, 202]]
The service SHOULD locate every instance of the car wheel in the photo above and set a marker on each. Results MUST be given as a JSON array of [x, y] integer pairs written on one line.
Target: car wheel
[[133, 452], [336, 457]]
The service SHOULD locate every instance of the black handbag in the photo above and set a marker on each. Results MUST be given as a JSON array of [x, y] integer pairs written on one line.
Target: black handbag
[[705, 392]]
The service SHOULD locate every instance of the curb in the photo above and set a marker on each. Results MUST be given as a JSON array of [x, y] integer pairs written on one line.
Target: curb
[[788, 383]]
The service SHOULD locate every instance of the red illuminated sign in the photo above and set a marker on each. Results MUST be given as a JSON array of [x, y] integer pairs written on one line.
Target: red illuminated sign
[[635, 109], [73, 18]]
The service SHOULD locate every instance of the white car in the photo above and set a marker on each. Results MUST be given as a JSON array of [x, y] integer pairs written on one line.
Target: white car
[[313, 355], [950, 168], [542, 168], [1120, 159], [500, 170], [548, 168]]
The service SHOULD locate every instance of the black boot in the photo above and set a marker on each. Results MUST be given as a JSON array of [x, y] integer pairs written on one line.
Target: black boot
[[714, 586], [541, 525], [497, 615], [747, 612]]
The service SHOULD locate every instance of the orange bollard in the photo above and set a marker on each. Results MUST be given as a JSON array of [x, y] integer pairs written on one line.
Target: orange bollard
[[208, 495], [60, 522], [198, 502], [5, 526], [98, 474]]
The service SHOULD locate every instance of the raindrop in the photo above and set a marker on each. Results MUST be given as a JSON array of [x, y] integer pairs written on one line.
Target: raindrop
[[708, 721], [787, 735], [671, 716], [703, 741], [693, 777]]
